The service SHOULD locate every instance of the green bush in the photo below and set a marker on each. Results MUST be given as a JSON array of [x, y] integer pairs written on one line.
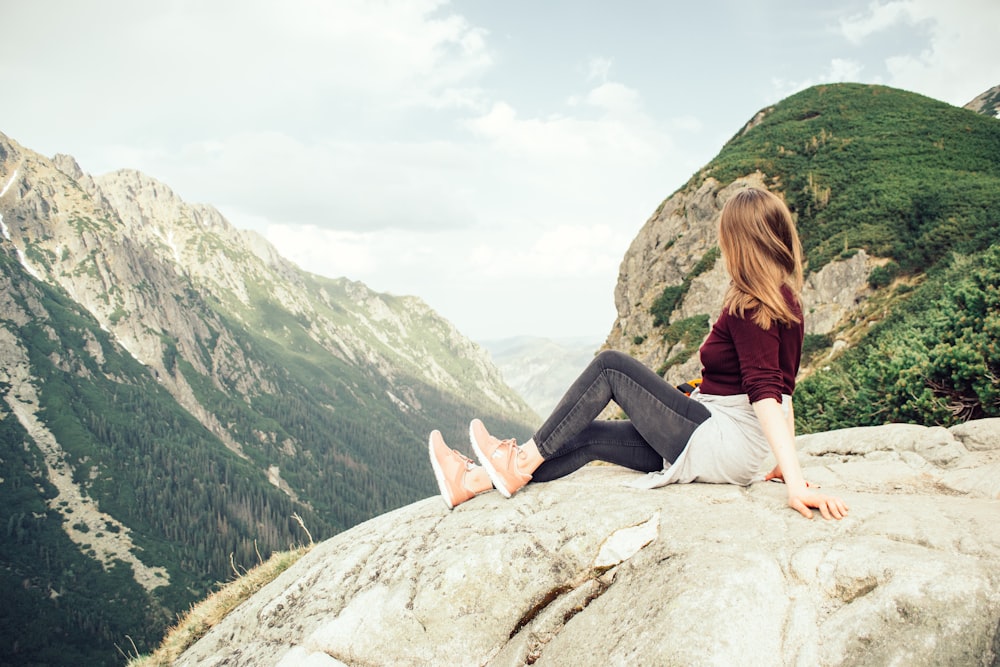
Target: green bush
[[689, 332], [673, 295], [938, 362], [882, 276], [665, 304], [814, 343]]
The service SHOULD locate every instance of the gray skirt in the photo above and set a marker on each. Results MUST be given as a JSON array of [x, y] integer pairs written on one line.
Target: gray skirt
[[727, 448]]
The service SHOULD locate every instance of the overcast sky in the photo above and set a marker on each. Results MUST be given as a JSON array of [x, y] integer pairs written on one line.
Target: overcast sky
[[494, 157]]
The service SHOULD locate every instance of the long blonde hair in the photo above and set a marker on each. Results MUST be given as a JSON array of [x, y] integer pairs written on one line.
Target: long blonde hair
[[762, 252]]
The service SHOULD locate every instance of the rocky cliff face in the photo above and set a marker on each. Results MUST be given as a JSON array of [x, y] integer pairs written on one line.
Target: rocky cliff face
[[144, 262], [585, 571], [988, 103]]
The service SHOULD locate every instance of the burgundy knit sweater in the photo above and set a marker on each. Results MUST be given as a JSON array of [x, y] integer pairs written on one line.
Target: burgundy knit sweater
[[739, 357]]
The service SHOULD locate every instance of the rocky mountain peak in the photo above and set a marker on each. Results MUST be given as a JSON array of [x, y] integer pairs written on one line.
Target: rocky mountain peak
[[987, 103], [68, 165]]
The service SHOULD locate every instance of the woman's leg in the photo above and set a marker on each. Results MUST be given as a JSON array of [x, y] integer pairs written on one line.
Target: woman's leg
[[612, 441], [662, 416]]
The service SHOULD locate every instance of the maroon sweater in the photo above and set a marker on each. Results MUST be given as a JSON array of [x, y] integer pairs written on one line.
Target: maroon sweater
[[739, 357]]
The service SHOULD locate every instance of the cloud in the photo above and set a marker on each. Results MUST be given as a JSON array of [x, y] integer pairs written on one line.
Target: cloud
[[328, 252], [360, 185], [166, 74], [608, 124], [944, 50], [959, 48], [408, 50], [615, 98], [843, 69], [491, 283], [879, 17], [565, 251], [838, 71], [598, 69]]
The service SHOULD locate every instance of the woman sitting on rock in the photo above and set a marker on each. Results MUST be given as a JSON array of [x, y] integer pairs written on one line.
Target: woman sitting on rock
[[722, 433]]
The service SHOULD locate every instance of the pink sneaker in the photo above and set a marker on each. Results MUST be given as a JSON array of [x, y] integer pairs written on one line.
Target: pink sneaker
[[451, 468], [499, 458]]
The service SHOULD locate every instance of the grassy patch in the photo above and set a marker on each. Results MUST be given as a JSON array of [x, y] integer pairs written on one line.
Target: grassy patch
[[673, 295], [209, 612]]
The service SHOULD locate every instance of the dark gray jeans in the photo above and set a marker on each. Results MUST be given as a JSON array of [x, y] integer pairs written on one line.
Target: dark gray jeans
[[660, 420]]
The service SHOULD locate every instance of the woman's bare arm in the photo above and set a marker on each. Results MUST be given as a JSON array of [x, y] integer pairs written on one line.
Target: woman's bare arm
[[780, 433]]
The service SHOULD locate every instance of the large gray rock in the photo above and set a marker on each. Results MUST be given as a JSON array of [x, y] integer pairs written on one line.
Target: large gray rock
[[586, 571]]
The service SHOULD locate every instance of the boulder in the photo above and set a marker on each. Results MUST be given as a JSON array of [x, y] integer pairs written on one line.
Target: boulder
[[587, 571]]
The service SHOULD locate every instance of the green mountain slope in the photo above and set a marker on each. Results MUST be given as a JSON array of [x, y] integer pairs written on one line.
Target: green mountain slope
[[127, 448], [935, 359], [898, 174], [173, 394], [908, 186]]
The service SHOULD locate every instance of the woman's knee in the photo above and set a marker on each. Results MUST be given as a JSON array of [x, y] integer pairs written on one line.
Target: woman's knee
[[610, 358]]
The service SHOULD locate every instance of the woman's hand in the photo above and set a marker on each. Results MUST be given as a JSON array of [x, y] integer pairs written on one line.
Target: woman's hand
[[781, 436], [831, 507], [776, 474]]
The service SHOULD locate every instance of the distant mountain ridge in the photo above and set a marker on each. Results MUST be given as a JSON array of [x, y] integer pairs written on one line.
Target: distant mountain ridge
[[174, 391], [541, 369]]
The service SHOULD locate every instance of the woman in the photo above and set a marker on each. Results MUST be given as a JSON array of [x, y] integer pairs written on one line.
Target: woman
[[721, 434]]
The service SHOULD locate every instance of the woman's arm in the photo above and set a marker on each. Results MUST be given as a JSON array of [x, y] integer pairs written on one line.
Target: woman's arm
[[790, 418], [780, 434]]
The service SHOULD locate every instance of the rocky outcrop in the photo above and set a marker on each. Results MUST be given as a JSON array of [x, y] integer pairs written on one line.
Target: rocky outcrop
[[664, 252], [586, 571], [988, 103], [151, 267]]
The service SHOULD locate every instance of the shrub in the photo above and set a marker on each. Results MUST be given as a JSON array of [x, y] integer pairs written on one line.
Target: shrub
[[937, 363]]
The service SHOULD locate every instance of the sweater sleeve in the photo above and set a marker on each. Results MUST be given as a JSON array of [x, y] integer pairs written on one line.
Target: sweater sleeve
[[758, 351]]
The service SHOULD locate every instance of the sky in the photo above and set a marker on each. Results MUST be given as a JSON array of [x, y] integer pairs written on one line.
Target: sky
[[494, 158]]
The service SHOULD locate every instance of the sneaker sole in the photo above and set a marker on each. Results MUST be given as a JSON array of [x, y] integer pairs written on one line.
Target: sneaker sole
[[438, 473], [484, 461]]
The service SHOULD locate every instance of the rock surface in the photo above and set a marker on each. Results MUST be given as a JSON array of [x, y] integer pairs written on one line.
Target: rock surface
[[988, 103], [586, 571]]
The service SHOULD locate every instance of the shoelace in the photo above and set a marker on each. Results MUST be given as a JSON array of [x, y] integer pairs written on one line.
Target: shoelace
[[509, 442], [469, 463]]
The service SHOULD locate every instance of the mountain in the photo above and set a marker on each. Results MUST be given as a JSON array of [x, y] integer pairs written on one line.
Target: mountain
[[175, 393], [541, 369], [897, 201], [987, 103]]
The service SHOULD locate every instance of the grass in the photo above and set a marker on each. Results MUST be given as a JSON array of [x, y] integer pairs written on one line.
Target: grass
[[209, 612]]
